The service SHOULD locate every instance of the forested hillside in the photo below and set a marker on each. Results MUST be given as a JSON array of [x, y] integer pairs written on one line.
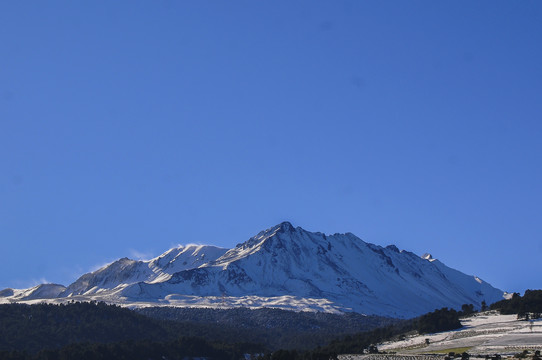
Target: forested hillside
[[32, 328], [439, 320], [100, 331], [530, 302], [179, 349], [288, 323], [35, 327]]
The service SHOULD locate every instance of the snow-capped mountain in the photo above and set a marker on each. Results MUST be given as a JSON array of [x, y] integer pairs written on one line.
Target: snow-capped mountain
[[124, 272], [288, 267], [42, 291]]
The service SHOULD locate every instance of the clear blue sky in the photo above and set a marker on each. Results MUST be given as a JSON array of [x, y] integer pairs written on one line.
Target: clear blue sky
[[128, 127]]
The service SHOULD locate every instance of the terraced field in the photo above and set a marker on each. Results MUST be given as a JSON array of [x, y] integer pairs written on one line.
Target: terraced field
[[484, 333]]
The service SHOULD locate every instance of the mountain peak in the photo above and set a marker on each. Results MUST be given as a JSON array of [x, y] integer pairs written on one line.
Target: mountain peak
[[286, 226], [393, 248], [428, 257], [282, 266]]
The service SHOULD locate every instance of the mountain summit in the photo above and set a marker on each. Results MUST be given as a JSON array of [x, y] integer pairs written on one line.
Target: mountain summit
[[289, 267]]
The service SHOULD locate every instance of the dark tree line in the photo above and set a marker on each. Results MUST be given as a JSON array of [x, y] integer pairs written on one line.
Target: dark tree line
[[182, 348], [275, 328], [35, 327], [100, 331], [32, 328], [439, 320], [284, 320], [530, 302]]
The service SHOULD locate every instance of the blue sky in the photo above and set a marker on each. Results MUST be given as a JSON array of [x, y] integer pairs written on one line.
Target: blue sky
[[129, 127]]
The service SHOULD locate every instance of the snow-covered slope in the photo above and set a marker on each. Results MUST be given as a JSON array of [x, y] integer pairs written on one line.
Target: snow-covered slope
[[124, 272], [42, 291], [286, 261], [289, 267], [482, 333]]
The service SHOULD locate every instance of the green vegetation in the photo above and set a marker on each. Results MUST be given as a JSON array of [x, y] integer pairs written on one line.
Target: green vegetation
[[99, 331], [452, 350], [33, 328], [467, 309], [439, 320], [182, 348], [275, 328], [531, 302]]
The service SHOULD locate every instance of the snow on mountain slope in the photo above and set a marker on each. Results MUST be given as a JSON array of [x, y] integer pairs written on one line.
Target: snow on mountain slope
[[282, 267], [125, 271], [354, 275], [42, 291], [183, 258]]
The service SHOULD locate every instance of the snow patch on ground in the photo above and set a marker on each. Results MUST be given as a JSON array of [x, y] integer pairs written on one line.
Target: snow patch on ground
[[293, 303], [483, 333]]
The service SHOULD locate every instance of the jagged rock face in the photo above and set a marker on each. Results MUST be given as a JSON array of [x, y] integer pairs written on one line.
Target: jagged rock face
[[124, 272], [363, 277], [287, 264]]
